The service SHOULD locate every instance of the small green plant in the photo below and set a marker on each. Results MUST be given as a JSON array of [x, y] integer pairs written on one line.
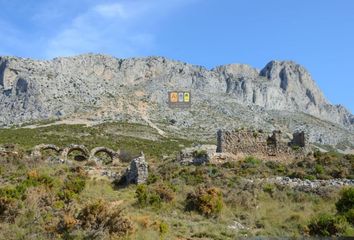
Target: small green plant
[[349, 215], [319, 169], [74, 184], [200, 154], [346, 201], [345, 205], [141, 194], [295, 147], [252, 160], [327, 225], [269, 188], [163, 228]]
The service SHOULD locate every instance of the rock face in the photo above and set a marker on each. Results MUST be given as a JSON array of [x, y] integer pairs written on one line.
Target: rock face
[[100, 88], [138, 171]]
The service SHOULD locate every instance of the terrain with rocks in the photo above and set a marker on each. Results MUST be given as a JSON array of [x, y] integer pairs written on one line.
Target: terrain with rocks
[[96, 88], [154, 172]]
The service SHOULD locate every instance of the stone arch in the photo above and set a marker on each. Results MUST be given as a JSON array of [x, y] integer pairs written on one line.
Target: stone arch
[[74, 147], [37, 150], [111, 153]]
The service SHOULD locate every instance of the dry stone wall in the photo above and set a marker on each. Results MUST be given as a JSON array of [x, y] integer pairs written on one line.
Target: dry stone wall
[[262, 145]]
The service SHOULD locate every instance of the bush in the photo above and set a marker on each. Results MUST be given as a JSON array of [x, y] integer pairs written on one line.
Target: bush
[[153, 196], [8, 209], [350, 216], [250, 160], [269, 188], [163, 228], [165, 192], [73, 185], [327, 225], [346, 201], [98, 216], [141, 194], [200, 154], [207, 201], [319, 169]]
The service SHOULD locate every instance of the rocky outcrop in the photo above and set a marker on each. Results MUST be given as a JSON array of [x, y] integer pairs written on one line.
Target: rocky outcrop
[[137, 173], [306, 185], [106, 88]]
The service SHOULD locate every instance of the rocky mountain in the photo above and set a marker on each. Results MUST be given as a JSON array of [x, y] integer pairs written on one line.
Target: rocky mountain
[[100, 88]]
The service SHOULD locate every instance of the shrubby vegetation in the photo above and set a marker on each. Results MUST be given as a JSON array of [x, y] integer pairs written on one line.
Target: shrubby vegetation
[[45, 200], [207, 201]]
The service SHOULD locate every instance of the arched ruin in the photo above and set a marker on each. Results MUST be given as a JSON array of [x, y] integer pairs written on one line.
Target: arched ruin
[[37, 151], [111, 153], [74, 147]]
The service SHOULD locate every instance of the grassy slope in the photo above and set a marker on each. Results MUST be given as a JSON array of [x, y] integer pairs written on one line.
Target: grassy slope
[[265, 210]]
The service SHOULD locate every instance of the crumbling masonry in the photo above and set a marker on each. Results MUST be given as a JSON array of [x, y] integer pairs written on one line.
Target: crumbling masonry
[[262, 145]]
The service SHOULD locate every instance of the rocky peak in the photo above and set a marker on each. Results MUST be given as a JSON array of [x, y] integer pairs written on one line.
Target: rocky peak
[[35, 90]]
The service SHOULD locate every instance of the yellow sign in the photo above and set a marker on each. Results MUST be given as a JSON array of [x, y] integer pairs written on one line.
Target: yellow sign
[[186, 97]]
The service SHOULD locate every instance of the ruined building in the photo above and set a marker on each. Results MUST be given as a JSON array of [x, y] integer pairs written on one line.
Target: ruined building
[[262, 145]]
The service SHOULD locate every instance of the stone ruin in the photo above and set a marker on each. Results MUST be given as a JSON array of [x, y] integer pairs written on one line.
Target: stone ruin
[[136, 173], [63, 153], [262, 145], [196, 155]]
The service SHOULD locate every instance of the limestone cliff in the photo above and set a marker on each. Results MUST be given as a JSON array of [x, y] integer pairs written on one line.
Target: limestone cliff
[[106, 88]]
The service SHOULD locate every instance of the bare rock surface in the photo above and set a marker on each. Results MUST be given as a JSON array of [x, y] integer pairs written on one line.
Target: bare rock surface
[[100, 88]]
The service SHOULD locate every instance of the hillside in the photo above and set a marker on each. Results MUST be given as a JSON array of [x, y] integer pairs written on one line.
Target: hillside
[[41, 198], [97, 88]]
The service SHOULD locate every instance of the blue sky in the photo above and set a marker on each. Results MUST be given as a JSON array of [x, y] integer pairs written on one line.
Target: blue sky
[[318, 34]]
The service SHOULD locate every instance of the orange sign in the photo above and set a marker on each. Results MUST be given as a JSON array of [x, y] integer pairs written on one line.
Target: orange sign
[[173, 97]]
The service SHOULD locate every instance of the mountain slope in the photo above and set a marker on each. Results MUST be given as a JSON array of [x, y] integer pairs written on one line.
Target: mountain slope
[[99, 87]]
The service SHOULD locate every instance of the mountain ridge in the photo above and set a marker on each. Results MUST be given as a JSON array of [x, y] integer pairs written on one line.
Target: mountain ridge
[[136, 88]]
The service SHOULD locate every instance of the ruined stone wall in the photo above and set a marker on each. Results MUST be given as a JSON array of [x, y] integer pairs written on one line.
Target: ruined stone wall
[[262, 145]]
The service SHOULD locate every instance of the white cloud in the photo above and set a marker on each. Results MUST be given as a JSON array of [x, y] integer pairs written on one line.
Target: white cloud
[[123, 28], [112, 10]]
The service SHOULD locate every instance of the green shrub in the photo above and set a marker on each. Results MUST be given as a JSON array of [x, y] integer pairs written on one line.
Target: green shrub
[[74, 184], [8, 209], [269, 188], [310, 177], [250, 160], [98, 215], [319, 169], [277, 167], [141, 194], [193, 177], [349, 157], [350, 216], [153, 195], [163, 228], [152, 178], [165, 192], [200, 154], [346, 201], [295, 147], [207, 201], [327, 225]]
